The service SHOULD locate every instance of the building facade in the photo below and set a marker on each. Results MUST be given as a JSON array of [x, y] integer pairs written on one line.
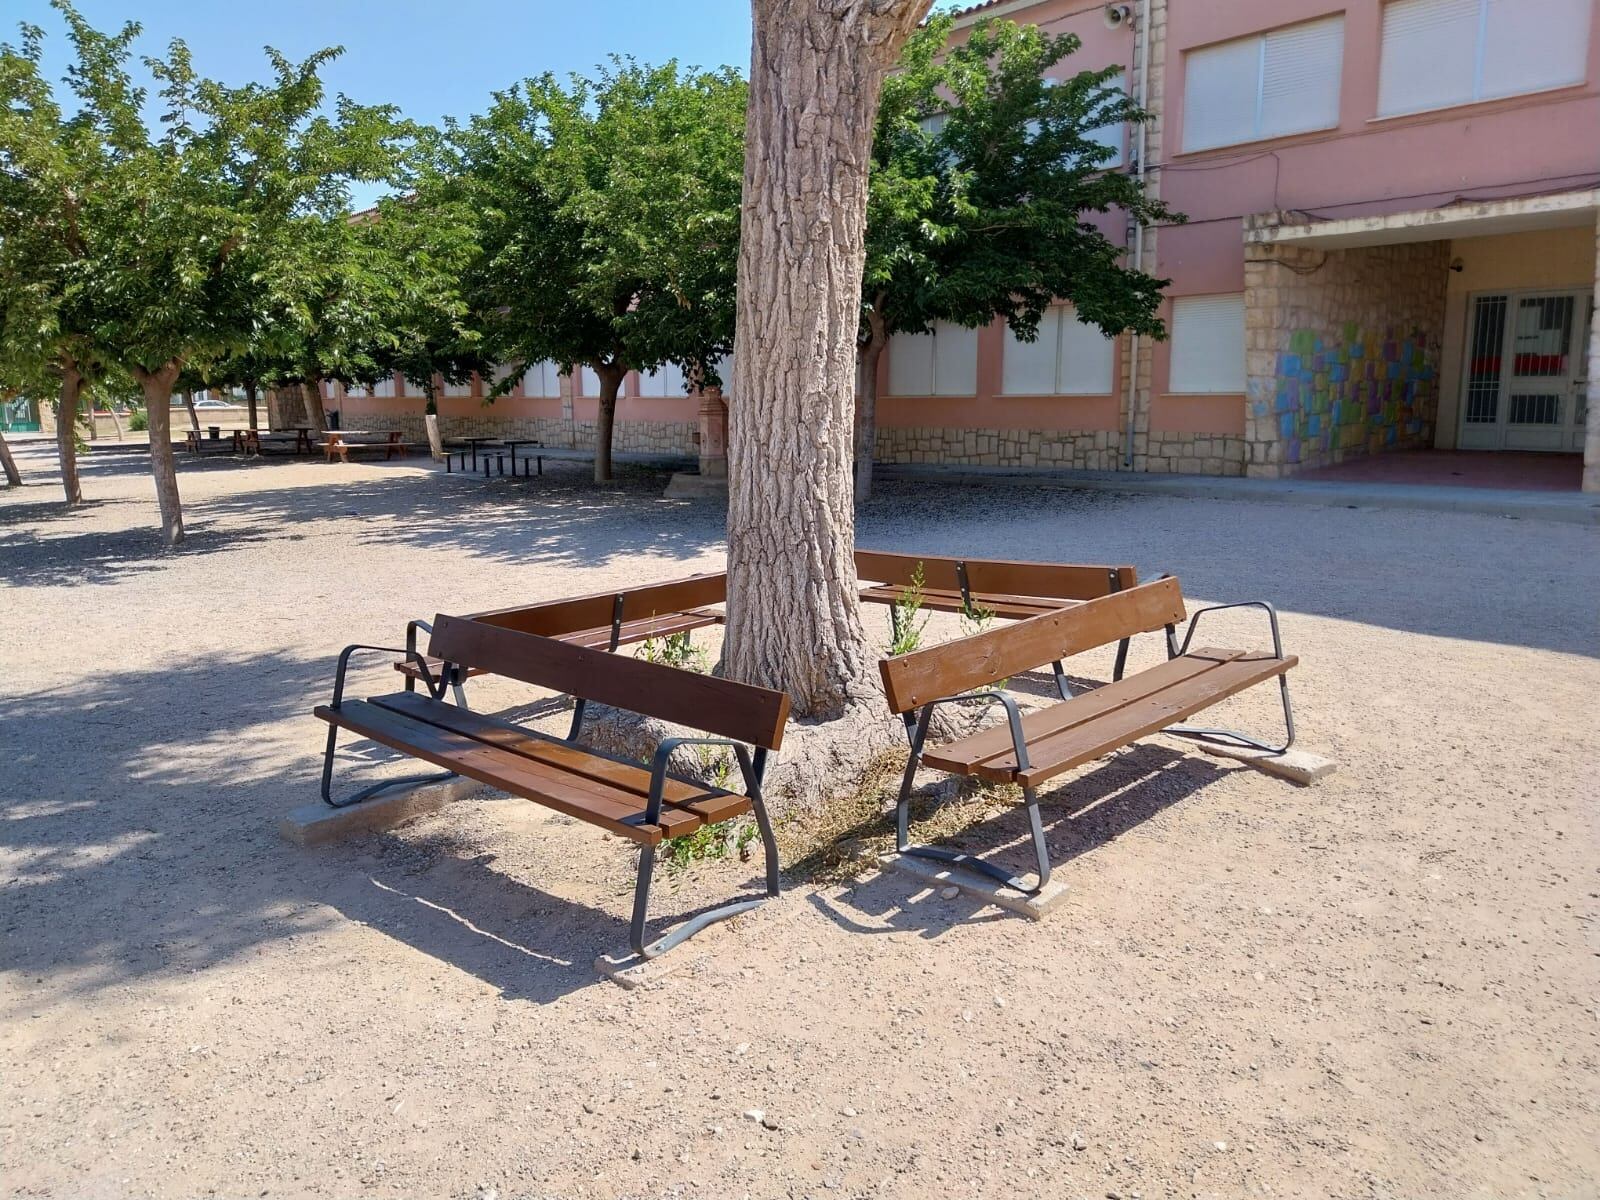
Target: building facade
[[1393, 223]]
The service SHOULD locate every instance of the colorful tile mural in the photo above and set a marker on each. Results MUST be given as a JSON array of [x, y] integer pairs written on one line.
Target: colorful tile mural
[[1359, 394]]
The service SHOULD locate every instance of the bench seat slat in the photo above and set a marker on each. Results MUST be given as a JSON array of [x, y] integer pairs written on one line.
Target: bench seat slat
[[1112, 716], [710, 804], [610, 808], [942, 600]]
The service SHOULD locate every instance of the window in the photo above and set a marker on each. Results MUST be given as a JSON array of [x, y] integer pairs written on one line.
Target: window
[[458, 389], [1069, 358], [542, 380], [1207, 345], [1266, 86], [665, 382], [941, 363], [589, 380], [1111, 135], [415, 387], [384, 387], [1437, 53]]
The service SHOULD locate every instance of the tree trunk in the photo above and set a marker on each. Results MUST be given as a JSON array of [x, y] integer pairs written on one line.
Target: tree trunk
[[116, 421], [88, 416], [157, 389], [194, 417], [250, 401], [794, 619], [13, 476], [867, 356], [606, 418], [316, 417], [67, 432]]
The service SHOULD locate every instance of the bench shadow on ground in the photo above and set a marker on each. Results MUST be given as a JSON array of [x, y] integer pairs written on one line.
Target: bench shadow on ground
[[1082, 813], [137, 846]]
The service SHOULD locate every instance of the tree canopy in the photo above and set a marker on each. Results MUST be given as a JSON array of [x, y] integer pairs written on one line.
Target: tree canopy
[[608, 218]]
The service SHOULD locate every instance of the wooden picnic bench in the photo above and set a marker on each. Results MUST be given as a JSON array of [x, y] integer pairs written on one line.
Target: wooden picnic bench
[[601, 621], [1030, 749], [338, 445], [646, 805]]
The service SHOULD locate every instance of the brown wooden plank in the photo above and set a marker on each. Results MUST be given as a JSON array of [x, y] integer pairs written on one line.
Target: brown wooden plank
[[610, 808], [711, 804], [1063, 581], [406, 667], [1014, 608], [721, 706], [582, 613], [968, 755], [914, 679], [1148, 714], [663, 625]]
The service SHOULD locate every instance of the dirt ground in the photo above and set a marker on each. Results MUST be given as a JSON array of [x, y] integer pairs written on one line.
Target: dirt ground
[[1383, 985]]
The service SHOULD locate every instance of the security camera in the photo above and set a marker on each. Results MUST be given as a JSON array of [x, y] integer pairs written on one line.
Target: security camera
[[1118, 15]]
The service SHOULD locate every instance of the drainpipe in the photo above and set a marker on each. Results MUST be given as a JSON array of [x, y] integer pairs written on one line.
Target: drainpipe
[[1141, 36]]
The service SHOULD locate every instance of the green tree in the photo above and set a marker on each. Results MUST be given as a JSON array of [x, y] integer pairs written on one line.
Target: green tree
[[984, 175], [181, 244], [608, 217]]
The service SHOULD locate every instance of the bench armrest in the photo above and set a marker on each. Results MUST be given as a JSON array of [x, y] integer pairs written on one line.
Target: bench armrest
[[1019, 740], [751, 769], [434, 690], [1272, 619]]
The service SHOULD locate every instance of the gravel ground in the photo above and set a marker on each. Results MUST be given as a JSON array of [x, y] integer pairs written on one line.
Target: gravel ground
[[1384, 985]]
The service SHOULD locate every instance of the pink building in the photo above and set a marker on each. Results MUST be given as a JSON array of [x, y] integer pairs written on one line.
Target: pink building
[[1391, 244]]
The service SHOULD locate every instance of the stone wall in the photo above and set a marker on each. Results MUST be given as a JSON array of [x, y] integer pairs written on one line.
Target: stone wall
[[1081, 450], [628, 437], [1342, 351], [1192, 454]]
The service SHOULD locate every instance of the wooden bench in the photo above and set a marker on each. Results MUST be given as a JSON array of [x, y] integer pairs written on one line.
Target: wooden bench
[[339, 445], [601, 621], [1030, 749], [645, 804], [1003, 588]]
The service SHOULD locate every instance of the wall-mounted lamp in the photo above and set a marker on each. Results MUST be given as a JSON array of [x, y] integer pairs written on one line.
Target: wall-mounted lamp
[[1457, 265]]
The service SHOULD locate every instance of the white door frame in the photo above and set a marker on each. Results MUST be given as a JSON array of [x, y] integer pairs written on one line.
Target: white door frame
[[1567, 432]]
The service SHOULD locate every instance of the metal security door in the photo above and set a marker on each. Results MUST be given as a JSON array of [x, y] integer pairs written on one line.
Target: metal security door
[[1525, 372]]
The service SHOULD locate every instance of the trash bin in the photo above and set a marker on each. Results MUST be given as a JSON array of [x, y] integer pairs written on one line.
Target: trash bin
[[216, 431]]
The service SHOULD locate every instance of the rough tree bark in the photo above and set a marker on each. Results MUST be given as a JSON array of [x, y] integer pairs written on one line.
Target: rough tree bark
[[794, 619], [610, 376], [867, 355], [194, 417], [13, 476], [316, 417], [67, 429], [250, 401], [157, 389]]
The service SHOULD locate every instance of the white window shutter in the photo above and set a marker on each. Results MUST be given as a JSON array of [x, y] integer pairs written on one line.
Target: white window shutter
[[458, 389], [1207, 345], [591, 381], [415, 387], [672, 380], [1220, 86], [1300, 69], [1029, 368], [1533, 44], [955, 360], [384, 387], [1087, 358], [911, 364], [1429, 54]]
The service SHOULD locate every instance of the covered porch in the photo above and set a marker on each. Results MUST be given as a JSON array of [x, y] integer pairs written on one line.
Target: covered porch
[[1449, 345]]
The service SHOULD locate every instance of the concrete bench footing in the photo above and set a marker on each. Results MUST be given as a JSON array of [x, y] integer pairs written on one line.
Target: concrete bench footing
[[316, 823]]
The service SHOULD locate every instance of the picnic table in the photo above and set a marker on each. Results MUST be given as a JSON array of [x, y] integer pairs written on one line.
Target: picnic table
[[475, 443], [392, 446], [246, 441]]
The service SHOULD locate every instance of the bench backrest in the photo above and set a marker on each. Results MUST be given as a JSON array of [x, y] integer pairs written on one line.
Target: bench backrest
[[1061, 581], [740, 711], [599, 610], [912, 680]]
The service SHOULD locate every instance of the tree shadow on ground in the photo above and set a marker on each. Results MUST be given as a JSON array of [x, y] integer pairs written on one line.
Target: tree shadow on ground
[[159, 854], [1081, 814], [1454, 575]]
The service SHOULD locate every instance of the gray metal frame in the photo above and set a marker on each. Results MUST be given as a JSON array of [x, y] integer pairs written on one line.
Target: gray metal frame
[[1232, 737], [434, 690], [1030, 798], [752, 770]]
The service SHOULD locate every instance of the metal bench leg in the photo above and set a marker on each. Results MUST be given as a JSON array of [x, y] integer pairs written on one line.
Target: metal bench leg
[[902, 826], [1232, 737], [459, 690], [577, 720], [647, 862], [1122, 659], [1063, 688], [367, 793]]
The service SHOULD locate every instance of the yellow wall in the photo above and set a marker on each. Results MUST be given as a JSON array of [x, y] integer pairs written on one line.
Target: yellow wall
[[1548, 258]]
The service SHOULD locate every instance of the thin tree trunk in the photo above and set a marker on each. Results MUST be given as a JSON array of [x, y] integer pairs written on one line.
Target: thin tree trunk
[[157, 388], [316, 416], [867, 356], [194, 417], [67, 432], [13, 476], [116, 421], [794, 619], [250, 401], [88, 413], [606, 419]]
